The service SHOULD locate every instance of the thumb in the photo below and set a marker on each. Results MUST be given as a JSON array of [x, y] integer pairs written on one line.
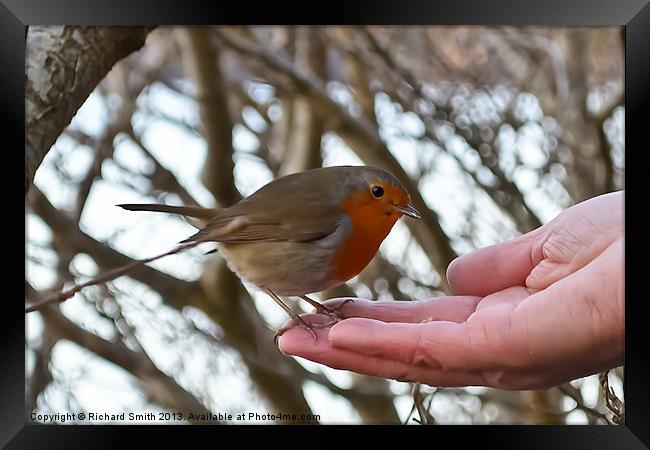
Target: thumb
[[497, 267]]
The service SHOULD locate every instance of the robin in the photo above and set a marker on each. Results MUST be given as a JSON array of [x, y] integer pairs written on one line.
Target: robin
[[302, 233]]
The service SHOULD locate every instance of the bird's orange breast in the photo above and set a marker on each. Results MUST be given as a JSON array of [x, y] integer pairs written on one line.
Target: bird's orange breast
[[371, 223]]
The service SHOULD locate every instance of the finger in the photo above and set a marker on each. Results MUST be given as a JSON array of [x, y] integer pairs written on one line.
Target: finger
[[452, 309], [299, 342], [434, 344], [490, 339], [497, 267]]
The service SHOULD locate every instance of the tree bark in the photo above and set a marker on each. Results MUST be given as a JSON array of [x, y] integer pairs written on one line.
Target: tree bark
[[63, 65], [202, 66], [303, 142]]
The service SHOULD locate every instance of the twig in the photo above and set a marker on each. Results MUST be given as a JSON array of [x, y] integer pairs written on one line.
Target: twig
[[406, 421], [112, 274], [571, 392], [166, 176], [614, 404], [159, 387], [471, 137], [41, 376], [418, 402]]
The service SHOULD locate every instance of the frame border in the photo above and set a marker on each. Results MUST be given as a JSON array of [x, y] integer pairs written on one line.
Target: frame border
[[633, 15]]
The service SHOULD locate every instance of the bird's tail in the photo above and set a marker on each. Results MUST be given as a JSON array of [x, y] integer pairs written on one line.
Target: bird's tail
[[195, 215], [109, 276], [63, 295]]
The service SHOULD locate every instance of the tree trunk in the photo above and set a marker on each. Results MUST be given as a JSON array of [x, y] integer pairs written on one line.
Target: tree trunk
[[63, 65]]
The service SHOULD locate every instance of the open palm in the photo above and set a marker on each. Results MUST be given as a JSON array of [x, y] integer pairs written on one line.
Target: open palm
[[534, 312]]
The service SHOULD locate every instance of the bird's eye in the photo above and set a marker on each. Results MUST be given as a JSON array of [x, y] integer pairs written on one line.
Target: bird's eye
[[377, 191]]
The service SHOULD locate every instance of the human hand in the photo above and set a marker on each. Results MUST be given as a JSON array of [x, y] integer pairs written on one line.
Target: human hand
[[534, 312]]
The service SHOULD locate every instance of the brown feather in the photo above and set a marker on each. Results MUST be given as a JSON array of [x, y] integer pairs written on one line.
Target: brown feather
[[278, 211], [188, 212], [300, 207]]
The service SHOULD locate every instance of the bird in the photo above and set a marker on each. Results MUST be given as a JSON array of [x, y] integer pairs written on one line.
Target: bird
[[302, 233]]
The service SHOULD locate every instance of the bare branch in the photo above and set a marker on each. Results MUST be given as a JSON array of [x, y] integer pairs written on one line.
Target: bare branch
[[614, 404], [66, 230], [163, 177], [41, 376], [571, 392], [63, 65], [529, 219], [123, 270], [161, 388], [303, 144], [202, 64]]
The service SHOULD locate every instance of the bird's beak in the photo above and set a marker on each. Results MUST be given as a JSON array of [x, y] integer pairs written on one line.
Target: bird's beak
[[408, 210]]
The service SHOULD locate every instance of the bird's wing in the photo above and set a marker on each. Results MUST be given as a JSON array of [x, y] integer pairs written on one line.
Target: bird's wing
[[290, 209], [294, 227]]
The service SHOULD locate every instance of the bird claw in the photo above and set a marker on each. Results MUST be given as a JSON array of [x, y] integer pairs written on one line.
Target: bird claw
[[310, 327], [293, 323], [333, 311]]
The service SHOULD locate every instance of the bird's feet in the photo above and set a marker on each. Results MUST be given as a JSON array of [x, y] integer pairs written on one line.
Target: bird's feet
[[297, 321], [333, 312], [330, 311]]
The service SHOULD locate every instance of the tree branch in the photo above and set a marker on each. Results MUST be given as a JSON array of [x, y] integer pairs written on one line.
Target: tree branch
[[63, 66], [524, 216], [173, 290], [41, 376], [572, 393], [202, 65], [302, 146], [161, 388]]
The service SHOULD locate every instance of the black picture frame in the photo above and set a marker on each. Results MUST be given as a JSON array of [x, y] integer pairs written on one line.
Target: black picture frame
[[633, 15]]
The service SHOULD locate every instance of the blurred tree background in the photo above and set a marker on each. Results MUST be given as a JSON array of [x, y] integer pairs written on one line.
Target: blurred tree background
[[493, 131]]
